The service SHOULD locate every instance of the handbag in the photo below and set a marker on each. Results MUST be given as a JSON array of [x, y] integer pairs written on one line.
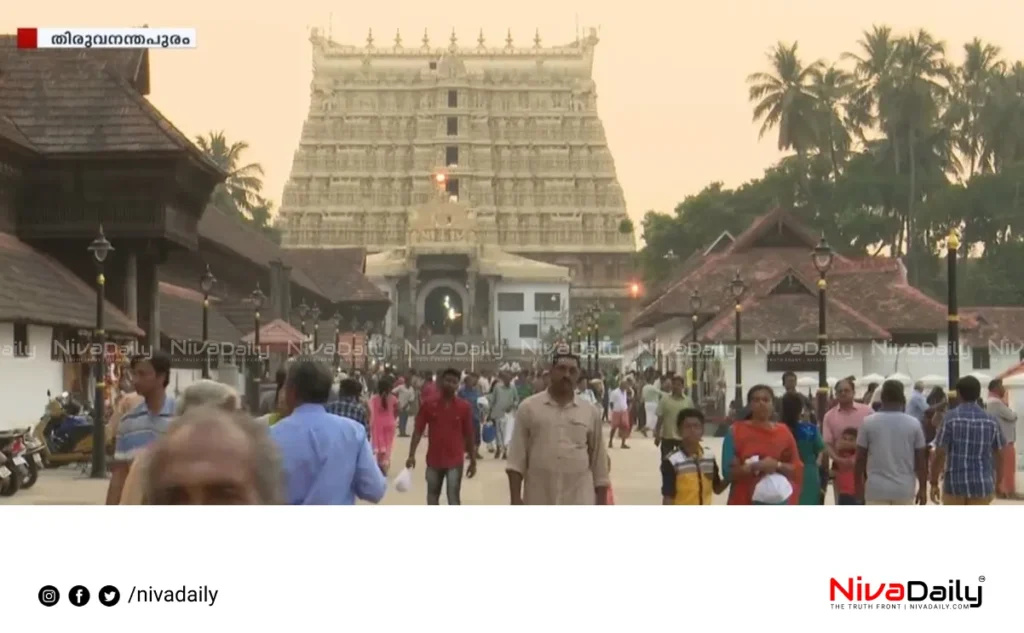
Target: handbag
[[487, 433]]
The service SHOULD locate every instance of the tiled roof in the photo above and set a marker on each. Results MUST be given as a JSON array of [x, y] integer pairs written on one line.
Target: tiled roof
[[34, 288], [869, 297], [181, 317], [84, 101], [10, 132], [992, 323], [241, 239], [337, 271]]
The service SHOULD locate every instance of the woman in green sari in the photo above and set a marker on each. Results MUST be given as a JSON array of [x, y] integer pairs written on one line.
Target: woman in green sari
[[808, 443]]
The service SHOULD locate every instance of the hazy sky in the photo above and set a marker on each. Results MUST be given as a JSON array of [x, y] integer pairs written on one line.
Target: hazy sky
[[670, 75]]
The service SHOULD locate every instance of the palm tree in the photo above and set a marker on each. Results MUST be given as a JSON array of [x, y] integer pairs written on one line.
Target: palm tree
[[872, 68], [1002, 119], [831, 88], [918, 92], [783, 98], [972, 87], [241, 190]]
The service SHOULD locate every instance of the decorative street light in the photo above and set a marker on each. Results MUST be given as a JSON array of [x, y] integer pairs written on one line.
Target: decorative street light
[[737, 288], [303, 311], [206, 282], [315, 315], [597, 338], [100, 248], [822, 256], [695, 305], [353, 326], [337, 339], [590, 334], [953, 318], [368, 331]]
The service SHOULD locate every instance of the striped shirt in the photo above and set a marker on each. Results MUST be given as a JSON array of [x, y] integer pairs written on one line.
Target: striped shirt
[[970, 435], [689, 480], [139, 428]]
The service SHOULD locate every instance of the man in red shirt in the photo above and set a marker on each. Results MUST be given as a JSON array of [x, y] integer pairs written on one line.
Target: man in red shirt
[[450, 422]]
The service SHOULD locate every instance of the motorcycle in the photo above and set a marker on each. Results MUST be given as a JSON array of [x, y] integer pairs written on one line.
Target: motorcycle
[[10, 446], [6, 477], [64, 433], [31, 451]]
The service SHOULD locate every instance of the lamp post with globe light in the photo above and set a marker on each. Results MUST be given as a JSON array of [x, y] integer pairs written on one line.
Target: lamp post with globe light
[[206, 282], [696, 302], [952, 315], [315, 315], [337, 339], [822, 257], [100, 248], [737, 288], [257, 297]]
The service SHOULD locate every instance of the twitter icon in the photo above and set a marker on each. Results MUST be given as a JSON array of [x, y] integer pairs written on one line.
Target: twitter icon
[[109, 596]]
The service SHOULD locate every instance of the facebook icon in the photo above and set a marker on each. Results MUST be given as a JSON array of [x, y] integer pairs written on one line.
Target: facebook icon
[[79, 596]]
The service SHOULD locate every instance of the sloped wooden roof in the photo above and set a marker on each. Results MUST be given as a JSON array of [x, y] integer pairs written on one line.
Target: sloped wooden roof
[[247, 242], [181, 319], [339, 272], [70, 102], [35, 288]]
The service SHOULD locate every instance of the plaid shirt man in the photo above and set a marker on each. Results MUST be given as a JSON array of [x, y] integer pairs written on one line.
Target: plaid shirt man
[[351, 408], [969, 435]]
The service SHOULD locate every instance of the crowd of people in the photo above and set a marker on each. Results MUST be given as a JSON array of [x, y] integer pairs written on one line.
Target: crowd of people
[[327, 439]]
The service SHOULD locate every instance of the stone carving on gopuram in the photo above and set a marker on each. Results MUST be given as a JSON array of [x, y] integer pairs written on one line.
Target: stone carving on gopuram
[[514, 129]]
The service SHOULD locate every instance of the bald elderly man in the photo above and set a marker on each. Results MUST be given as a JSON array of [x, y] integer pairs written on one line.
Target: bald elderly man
[[212, 457]]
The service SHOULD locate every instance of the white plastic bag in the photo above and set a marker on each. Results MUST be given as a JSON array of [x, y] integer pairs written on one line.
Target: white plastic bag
[[773, 489], [509, 423], [403, 482]]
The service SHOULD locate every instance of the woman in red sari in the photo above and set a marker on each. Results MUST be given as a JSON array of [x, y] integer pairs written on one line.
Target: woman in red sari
[[771, 442]]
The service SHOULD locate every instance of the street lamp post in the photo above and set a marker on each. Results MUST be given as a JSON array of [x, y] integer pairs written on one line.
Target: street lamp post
[[738, 289], [257, 304], [590, 334], [695, 304], [822, 256], [303, 311], [100, 248], [368, 330], [597, 339], [315, 315], [337, 340], [353, 325], [952, 317], [206, 282]]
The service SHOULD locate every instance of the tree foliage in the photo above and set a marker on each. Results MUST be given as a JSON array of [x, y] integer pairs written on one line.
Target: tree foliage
[[893, 145], [241, 193]]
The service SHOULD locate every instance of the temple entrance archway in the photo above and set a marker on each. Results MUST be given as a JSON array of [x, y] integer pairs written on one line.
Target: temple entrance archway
[[444, 305]]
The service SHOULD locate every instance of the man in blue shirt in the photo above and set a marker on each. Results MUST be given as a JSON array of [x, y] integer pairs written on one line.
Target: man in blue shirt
[[967, 450], [918, 404], [327, 459], [471, 393]]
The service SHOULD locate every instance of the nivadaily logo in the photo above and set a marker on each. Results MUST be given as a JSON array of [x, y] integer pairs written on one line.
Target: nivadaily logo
[[910, 594]]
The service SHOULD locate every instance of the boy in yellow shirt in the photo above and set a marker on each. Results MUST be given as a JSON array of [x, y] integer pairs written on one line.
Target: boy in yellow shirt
[[690, 474]]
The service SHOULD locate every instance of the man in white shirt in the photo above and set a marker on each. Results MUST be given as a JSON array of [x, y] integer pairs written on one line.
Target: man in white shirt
[[618, 403]]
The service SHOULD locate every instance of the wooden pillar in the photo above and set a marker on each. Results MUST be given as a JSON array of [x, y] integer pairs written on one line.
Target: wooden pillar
[[131, 286], [148, 300]]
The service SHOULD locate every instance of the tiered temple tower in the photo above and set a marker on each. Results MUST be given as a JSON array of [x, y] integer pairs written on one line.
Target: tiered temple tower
[[515, 131]]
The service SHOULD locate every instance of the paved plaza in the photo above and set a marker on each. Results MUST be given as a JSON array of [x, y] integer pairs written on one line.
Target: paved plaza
[[635, 480]]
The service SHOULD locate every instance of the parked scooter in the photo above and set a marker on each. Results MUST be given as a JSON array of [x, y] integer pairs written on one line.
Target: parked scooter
[[10, 445], [65, 433], [6, 478], [28, 448]]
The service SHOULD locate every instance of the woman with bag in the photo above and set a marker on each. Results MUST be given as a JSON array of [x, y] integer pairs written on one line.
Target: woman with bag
[[757, 449], [383, 422]]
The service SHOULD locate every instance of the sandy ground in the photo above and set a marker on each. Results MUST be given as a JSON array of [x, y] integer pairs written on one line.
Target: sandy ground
[[635, 480]]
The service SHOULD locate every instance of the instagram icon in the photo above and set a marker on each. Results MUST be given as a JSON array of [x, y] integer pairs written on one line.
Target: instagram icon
[[49, 596]]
